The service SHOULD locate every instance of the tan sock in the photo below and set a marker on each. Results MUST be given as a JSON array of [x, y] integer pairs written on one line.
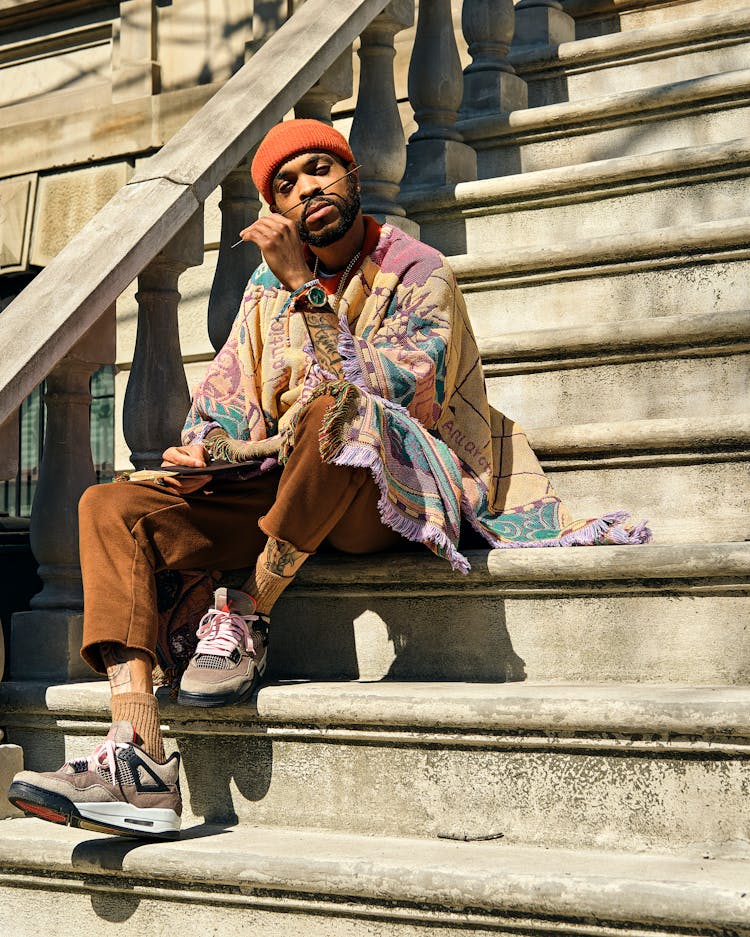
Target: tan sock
[[275, 569], [141, 710]]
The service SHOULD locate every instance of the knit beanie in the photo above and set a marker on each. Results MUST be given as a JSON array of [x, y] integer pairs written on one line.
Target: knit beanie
[[288, 139]]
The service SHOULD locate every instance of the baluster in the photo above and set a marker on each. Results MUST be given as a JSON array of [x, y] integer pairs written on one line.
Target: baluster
[[436, 154], [157, 397], [239, 205], [46, 640], [376, 136], [490, 84], [542, 22], [335, 85]]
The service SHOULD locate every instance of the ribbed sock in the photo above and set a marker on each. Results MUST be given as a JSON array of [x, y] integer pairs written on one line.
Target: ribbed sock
[[266, 586], [141, 710]]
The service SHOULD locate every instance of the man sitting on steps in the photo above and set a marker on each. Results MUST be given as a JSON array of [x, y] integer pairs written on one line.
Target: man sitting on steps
[[352, 377]]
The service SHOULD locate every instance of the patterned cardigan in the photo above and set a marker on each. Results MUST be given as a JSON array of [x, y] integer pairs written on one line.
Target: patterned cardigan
[[412, 408]]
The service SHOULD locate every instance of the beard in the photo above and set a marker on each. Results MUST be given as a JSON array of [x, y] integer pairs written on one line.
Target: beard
[[348, 208]]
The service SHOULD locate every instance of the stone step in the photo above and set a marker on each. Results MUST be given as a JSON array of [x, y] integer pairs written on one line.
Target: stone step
[[627, 767], [59, 881], [671, 471], [603, 198], [658, 54], [638, 368], [602, 17], [11, 762], [662, 614], [710, 109], [682, 270]]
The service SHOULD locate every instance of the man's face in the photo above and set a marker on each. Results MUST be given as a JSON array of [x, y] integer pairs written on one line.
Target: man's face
[[330, 198]]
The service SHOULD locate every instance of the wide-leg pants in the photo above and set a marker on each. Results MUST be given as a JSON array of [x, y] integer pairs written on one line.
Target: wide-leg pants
[[129, 531]]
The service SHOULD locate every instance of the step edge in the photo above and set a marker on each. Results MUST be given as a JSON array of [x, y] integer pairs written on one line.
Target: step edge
[[482, 877], [597, 50], [573, 117], [671, 712], [658, 333], [648, 169], [701, 241]]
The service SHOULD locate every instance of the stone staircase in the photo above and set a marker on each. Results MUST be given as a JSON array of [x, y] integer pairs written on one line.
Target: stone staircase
[[559, 742]]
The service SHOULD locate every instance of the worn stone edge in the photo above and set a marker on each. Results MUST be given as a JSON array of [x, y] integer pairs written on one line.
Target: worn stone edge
[[558, 884]]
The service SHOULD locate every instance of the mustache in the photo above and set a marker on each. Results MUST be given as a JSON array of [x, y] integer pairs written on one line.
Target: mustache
[[317, 201]]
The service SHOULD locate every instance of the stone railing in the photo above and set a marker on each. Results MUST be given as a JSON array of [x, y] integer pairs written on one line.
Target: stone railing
[[61, 328]]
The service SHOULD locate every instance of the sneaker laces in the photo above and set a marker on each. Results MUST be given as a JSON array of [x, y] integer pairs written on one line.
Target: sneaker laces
[[104, 757], [220, 632]]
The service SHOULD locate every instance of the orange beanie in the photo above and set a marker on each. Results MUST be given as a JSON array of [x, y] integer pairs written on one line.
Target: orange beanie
[[286, 140]]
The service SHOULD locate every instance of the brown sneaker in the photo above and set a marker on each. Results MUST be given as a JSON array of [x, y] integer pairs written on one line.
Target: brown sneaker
[[230, 658], [117, 789]]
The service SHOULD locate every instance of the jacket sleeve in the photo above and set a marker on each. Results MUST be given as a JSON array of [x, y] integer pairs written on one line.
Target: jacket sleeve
[[228, 395]]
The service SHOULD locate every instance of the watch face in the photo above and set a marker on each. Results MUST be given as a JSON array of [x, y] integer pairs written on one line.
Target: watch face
[[317, 296]]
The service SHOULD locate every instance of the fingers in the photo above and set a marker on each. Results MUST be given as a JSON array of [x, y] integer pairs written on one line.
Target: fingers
[[194, 455], [269, 227], [279, 241]]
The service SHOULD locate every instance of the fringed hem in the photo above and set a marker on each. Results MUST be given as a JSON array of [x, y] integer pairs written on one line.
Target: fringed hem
[[350, 365], [609, 530], [431, 536]]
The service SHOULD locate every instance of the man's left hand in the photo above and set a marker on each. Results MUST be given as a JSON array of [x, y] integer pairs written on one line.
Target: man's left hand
[[279, 240]]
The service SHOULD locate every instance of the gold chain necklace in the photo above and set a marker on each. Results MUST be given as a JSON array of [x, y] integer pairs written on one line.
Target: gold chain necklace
[[342, 282]]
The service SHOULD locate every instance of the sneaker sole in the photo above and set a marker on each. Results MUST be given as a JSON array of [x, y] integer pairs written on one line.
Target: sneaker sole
[[144, 823], [209, 700]]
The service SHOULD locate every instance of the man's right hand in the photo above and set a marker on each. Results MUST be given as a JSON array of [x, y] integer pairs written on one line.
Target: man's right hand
[[196, 456]]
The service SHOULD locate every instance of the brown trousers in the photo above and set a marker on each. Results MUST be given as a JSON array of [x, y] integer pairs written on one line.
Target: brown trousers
[[130, 531]]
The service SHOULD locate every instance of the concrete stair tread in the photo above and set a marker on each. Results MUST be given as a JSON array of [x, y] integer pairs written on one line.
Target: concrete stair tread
[[698, 239], [624, 193], [666, 710], [568, 115], [662, 37], [478, 877], [591, 180], [625, 339]]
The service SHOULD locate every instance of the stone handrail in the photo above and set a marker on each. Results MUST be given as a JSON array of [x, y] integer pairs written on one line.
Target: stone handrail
[[57, 309]]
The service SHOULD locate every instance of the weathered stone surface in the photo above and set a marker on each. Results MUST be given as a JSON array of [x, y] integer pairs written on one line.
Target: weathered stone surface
[[17, 200], [600, 17], [604, 198], [624, 61], [66, 201], [689, 113], [83, 281], [541, 25], [635, 759], [386, 875], [9, 433], [11, 762], [636, 390], [645, 274], [80, 61], [47, 643]]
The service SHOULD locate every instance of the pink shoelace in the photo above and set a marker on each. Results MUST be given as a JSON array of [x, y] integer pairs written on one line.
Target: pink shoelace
[[104, 755], [221, 631]]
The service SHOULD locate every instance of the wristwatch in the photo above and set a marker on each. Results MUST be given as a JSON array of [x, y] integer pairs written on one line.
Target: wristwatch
[[315, 297]]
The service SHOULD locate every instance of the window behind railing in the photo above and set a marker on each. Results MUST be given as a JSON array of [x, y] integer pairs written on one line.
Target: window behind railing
[[17, 495]]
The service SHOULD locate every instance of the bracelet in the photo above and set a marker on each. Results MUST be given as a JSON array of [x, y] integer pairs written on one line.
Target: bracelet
[[305, 286]]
